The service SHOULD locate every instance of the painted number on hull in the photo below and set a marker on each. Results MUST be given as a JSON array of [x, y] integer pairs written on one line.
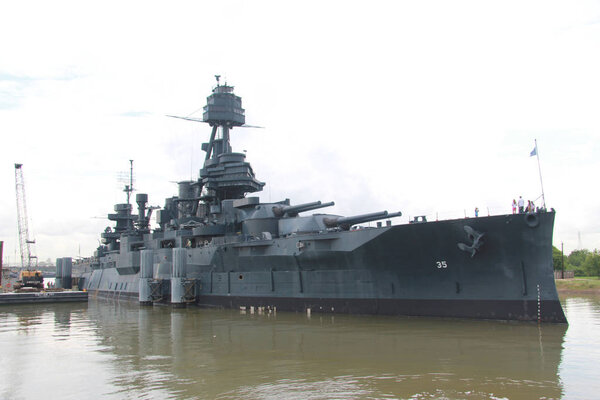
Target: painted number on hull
[[441, 264]]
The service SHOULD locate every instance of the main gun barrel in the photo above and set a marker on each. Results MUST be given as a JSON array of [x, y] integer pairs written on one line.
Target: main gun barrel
[[346, 222], [292, 211]]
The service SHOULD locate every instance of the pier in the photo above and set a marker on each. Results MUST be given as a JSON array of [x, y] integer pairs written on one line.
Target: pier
[[43, 297]]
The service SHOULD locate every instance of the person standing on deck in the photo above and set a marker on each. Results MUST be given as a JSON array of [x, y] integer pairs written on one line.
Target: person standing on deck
[[514, 206], [521, 205]]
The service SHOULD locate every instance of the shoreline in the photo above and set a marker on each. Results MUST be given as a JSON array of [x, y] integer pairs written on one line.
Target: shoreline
[[578, 286], [578, 291]]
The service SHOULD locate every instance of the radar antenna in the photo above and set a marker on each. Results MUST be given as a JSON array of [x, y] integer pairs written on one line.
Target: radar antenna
[[224, 109], [129, 188], [127, 180]]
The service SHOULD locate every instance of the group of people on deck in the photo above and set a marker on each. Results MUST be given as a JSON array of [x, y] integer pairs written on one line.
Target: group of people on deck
[[521, 206]]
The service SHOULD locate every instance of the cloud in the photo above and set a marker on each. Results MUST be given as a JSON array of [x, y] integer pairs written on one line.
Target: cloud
[[135, 114], [14, 88], [424, 108]]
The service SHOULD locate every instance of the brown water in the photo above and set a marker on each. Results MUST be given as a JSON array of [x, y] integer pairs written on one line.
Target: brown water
[[122, 351]]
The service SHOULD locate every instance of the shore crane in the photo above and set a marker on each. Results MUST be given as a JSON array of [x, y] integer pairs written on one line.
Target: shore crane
[[28, 276]]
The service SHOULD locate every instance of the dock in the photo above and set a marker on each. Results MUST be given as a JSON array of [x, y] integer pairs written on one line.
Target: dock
[[43, 297]]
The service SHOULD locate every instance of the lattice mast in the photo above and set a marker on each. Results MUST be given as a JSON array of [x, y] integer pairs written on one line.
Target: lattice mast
[[25, 244], [129, 189]]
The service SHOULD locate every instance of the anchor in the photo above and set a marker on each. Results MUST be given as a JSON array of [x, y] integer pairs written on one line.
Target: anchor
[[475, 237]]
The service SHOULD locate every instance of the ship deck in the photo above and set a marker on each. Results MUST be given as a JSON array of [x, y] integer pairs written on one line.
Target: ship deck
[[43, 297]]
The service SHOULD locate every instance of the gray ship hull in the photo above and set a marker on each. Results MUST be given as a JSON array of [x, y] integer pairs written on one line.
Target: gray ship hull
[[416, 269], [213, 245]]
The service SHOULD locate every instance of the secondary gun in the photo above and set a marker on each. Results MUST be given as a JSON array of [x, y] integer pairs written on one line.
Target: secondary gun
[[346, 222], [292, 211]]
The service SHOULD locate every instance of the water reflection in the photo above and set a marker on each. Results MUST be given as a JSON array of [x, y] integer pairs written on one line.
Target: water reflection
[[30, 347], [578, 367], [118, 350], [195, 353]]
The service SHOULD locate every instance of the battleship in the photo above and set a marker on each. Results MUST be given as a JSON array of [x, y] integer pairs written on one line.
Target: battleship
[[216, 245]]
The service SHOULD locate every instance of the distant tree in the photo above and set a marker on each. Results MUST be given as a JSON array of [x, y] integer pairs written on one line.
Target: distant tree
[[591, 265], [557, 260], [576, 260], [577, 257]]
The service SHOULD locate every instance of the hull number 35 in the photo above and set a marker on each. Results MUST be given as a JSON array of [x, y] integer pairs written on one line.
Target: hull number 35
[[441, 264]]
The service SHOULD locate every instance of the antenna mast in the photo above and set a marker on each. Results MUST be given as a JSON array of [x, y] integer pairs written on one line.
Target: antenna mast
[[129, 189]]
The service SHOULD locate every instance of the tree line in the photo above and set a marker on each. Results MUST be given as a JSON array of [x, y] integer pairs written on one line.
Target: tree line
[[584, 262]]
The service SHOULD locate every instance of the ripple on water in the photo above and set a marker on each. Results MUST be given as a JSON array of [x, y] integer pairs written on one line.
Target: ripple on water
[[119, 350]]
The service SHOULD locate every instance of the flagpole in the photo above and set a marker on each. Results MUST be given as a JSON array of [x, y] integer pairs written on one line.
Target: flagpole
[[537, 154]]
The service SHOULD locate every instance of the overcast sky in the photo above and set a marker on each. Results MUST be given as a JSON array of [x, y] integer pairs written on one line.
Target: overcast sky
[[422, 107]]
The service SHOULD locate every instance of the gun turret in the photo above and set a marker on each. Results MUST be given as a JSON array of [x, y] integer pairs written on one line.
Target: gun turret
[[346, 222], [292, 211]]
